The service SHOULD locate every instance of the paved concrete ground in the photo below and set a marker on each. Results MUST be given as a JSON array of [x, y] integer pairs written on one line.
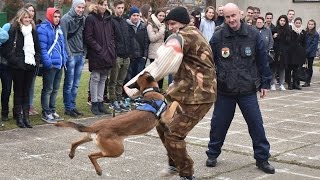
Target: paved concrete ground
[[292, 123]]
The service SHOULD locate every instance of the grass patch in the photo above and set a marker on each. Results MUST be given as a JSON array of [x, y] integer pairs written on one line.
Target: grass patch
[[36, 120]]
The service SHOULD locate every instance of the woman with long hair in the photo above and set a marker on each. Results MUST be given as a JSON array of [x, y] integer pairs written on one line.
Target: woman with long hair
[[282, 38], [22, 51], [207, 24], [312, 40], [32, 10], [297, 54], [146, 11]]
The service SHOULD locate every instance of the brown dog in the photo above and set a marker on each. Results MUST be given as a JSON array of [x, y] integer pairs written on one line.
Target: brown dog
[[110, 133]]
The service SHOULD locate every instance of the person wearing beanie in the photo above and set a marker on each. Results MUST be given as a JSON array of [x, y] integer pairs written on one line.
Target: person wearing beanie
[[72, 25], [75, 3], [53, 58], [133, 10], [139, 43], [187, 55]]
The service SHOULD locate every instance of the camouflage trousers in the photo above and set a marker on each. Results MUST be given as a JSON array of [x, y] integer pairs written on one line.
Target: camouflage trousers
[[173, 140]]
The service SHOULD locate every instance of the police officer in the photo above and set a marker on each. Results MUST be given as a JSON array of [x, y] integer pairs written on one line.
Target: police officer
[[242, 69]]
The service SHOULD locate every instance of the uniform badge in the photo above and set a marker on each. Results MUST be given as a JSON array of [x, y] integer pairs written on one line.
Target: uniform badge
[[225, 52], [248, 51]]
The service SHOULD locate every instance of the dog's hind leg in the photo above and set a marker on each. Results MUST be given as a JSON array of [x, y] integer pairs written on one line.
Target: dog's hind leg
[[84, 139], [109, 148]]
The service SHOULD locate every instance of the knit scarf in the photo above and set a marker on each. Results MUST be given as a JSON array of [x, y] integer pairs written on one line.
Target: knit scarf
[[28, 46], [297, 30]]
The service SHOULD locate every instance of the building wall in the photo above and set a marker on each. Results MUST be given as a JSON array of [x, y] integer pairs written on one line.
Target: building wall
[[306, 11]]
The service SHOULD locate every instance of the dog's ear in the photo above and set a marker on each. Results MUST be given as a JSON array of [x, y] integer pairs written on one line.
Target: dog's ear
[[150, 79], [134, 85]]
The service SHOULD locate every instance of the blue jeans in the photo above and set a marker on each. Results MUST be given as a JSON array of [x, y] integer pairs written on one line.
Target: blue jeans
[[51, 79], [31, 92], [6, 81], [72, 77], [222, 116]]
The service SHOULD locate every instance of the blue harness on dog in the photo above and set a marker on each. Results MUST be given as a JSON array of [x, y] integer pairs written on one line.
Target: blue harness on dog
[[157, 107]]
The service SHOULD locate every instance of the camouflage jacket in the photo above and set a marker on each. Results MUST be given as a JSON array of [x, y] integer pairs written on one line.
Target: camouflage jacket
[[195, 81]]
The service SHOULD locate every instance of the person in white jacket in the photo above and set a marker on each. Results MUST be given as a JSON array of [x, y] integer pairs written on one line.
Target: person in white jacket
[[207, 24]]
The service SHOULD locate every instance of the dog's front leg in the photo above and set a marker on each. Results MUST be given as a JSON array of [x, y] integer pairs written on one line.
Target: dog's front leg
[[93, 158], [167, 115], [84, 139]]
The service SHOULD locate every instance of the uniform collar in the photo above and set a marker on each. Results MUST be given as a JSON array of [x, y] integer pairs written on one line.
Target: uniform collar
[[243, 31]]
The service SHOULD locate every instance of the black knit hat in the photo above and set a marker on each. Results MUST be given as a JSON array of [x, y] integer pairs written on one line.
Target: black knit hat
[[179, 14]]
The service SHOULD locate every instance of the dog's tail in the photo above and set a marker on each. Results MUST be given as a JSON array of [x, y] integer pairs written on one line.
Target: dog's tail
[[78, 127]]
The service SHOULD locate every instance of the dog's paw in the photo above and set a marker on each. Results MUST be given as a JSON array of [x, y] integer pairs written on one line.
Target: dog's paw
[[71, 156], [99, 173]]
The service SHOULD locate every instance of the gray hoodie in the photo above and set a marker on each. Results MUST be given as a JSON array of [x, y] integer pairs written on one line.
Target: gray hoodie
[[70, 23]]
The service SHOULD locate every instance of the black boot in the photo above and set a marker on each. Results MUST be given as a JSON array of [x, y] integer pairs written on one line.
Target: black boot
[[296, 85], [25, 119], [306, 84], [102, 108], [95, 108], [265, 167], [18, 116], [290, 85], [211, 162]]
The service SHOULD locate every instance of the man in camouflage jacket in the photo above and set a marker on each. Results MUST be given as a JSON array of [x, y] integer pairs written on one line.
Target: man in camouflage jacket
[[188, 55]]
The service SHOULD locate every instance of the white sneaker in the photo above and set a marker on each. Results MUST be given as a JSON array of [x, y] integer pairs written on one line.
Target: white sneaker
[[169, 171], [273, 87], [57, 117], [282, 88]]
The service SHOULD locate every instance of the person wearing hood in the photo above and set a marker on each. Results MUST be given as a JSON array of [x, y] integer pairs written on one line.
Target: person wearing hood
[[72, 24], [53, 58], [139, 43], [5, 76], [22, 51], [99, 37]]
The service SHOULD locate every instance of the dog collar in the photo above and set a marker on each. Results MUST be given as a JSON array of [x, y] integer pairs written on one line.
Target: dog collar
[[155, 89]]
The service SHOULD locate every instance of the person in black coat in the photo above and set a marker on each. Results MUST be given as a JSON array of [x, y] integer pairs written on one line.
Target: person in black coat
[[297, 54], [22, 51], [282, 38], [99, 37]]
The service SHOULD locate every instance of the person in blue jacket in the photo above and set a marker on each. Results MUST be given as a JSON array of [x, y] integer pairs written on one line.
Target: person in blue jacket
[[5, 76], [53, 58], [312, 40], [242, 70]]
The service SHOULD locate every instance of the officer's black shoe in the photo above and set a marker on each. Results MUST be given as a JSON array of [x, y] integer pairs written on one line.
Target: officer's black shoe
[[211, 162], [265, 167]]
